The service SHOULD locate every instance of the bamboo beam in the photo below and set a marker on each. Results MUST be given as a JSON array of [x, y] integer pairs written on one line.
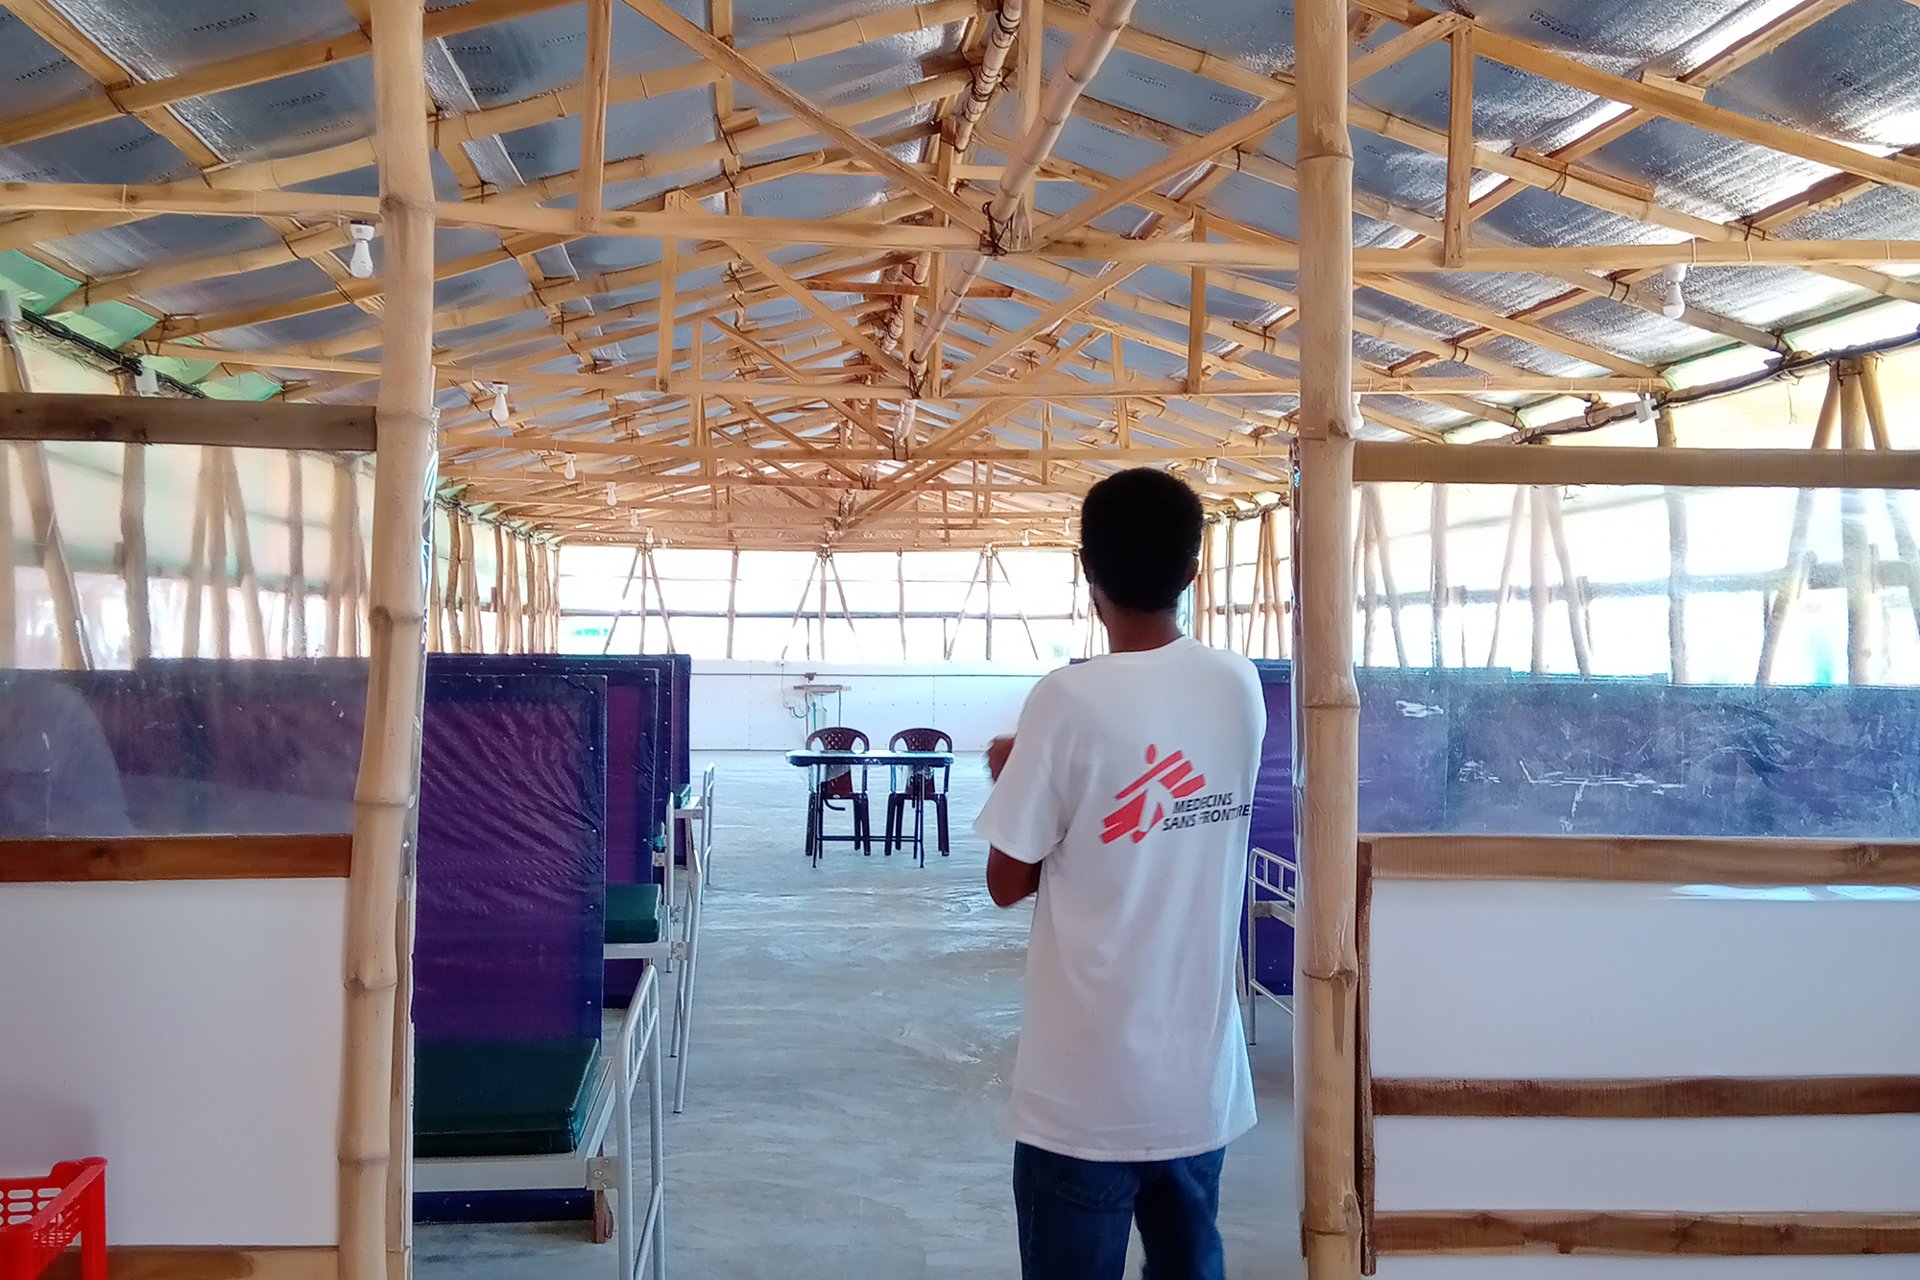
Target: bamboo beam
[[1646, 1234], [823, 122], [1687, 468], [376, 1101], [1327, 702], [1698, 1097], [593, 120], [1459, 148], [273, 424], [1646, 860]]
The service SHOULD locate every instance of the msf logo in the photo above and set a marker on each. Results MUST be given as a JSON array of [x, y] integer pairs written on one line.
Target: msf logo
[[1172, 772]]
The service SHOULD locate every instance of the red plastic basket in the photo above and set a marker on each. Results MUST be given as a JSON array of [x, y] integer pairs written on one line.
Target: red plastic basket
[[39, 1218]]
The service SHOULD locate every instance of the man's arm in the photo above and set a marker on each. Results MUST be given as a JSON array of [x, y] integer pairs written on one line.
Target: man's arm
[[1010, 880]]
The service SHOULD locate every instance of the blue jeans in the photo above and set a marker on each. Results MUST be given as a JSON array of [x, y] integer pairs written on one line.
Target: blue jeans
[[1075, 1216]]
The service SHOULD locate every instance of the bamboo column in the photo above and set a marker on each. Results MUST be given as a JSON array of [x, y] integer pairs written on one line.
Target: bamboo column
[[1570, 586], [295, 645], [197, 571], [1799, 563], [1856, 551], [51, 548], [1505, 593], [436, 590], [133, 550], [1326, 701], [1676, 500], [243, 555], [1226, 587], [1437, 560], [1374, 513], [1903, 540], [1538, 593], [9, 609], [376, 1102], [222, 599]]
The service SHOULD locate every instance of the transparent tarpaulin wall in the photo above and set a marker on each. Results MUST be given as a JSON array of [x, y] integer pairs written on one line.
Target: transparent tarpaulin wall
[[1038, 607], [182, 551], [1724, 586]]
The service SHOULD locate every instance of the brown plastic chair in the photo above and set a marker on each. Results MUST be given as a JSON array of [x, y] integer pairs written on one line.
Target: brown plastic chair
[[836, 783], [919, 789]]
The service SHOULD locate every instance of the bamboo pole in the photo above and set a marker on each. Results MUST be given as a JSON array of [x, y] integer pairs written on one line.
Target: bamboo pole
[[1202, 593], [338, 542], [474, 630], [1327, 702], [217, 583], [1538, 593], [51, 549], [1798, 567], [1570, 586], [376, 1100], [1370, 496], [660, 595], [296, 629], [1903, 540], [1856, 552], [197, 570], [1676, 500], [960, 615], [133, 550], [799, 610], [733, 593], [1437, 559], [1363, 569], [436, 589], [243, 556], [1226, 590], [900, 573], [9, 567], [626, 588], [498, 592]]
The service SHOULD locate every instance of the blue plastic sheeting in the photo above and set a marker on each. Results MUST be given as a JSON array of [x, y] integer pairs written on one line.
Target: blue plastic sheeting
[[511, 910], [1472, 752]]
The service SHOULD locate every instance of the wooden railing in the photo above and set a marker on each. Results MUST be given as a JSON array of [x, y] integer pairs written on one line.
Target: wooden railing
[[1642, 860]]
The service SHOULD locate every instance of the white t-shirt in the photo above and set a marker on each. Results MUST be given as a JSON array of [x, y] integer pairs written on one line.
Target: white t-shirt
[[1131, 784]]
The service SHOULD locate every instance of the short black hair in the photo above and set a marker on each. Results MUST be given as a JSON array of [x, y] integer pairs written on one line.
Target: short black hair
[[1139, 537]]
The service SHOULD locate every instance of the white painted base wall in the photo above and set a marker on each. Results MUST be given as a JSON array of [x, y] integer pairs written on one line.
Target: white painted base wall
[[753, 706], [1617, 980], [190, 1032]]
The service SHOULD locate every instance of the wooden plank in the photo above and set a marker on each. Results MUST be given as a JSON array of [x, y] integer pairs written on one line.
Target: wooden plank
[[1714, 1097], [175, 858], [1648, 1234], [244, 424], [1459, 217], [1646, 860], [145, 1262], [1417, 461]]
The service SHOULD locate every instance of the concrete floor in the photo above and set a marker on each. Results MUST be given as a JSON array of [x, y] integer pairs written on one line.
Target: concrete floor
[[852, 1039]]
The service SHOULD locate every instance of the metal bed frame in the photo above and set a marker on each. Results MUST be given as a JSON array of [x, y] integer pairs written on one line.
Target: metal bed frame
[[680, 956], [1279, 877], [635, 1050]]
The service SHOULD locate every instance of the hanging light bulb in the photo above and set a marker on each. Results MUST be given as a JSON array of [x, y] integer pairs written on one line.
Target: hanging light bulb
[[1026, 537], [612, 498], [360, 264], [1213, 471], [633, 521], [500, 409], [569, 464], [1673, 299]]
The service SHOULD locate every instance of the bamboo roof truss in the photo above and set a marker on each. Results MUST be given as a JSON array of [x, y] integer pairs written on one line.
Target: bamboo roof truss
[[703, 259]]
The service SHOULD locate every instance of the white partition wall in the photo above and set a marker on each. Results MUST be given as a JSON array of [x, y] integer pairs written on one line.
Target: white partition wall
[[1530, 994], [758, 706], [188, 1031]]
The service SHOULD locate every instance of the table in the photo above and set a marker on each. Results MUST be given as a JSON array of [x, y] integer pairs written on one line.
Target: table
[[818, 763]]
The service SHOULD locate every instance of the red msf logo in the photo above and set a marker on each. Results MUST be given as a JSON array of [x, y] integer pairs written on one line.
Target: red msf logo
[[1172, 772]]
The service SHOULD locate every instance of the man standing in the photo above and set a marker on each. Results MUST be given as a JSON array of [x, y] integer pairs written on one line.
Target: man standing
[[1123, 800]]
